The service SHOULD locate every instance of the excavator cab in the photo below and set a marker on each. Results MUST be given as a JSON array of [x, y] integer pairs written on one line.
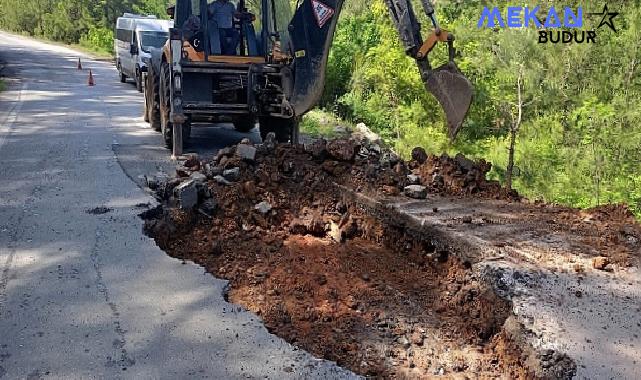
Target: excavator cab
[[264, 60]]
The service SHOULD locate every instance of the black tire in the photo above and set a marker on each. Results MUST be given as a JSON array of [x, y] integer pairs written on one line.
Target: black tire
[[165, 104], [286, 130], [244, 124], [165, 109], [152, 99], [123, 77], [145, 112], [139, 81]]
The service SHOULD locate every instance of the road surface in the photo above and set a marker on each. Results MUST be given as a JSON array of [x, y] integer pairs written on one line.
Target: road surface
[[83, 294]]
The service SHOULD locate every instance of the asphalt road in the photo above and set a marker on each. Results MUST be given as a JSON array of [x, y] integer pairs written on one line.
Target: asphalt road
[[86, 295]]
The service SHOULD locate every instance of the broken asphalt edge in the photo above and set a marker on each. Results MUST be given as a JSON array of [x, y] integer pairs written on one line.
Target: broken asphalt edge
[[484, 258]]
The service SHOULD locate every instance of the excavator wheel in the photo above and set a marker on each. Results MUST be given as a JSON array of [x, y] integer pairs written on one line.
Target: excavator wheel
[[165, 107], [152, 99], [286, 130], [244, 124], [165, 104]]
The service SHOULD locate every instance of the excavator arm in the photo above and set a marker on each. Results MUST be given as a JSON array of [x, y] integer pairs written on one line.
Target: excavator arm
[[312, 31]]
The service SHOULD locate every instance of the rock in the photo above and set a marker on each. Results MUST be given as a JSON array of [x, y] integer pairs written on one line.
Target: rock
[[192, 161], [464, 162], [418, 338], [375, 149], [416, 192], [246, 141], [187, 195], [362, 132], [263, 207], [182, 171], [211, 171], [226, 152], [246, 152], [156, 181], [270, 141], [221, 180], [414, 179], [232, 174], [389, 159], [390, 190], [403, 341], [342, 150], [318, 149], [600, 262], [209, 207], [419, 155], [199, 178], [335, 233]]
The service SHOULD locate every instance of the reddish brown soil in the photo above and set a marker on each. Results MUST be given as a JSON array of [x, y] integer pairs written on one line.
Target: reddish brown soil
[[378, 302], [380, 312]]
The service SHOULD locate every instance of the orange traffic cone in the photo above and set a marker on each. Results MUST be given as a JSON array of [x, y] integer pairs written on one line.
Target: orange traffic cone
[[79, 64], [91, 81]]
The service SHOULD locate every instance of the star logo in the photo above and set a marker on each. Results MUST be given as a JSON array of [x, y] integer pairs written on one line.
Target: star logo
[[607, 18]]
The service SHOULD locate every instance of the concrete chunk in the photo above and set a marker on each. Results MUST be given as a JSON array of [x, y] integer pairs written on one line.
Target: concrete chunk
[[414, 179], [232, 174], [187, 194], [416, 192], [221, 180], [198, 178], [263, 207], [246, 152]]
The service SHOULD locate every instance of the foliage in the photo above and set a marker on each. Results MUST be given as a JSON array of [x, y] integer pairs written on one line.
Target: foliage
[[580, 139], [86, 22], [323, 124]]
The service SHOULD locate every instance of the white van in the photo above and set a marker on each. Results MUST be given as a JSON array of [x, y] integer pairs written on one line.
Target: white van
[[135, 34]]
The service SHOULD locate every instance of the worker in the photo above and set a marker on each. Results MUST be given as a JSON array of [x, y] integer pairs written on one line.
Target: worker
[[222, 13]]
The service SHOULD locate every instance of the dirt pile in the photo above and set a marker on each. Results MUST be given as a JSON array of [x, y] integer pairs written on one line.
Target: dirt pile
[[458, 176], [325, 275]]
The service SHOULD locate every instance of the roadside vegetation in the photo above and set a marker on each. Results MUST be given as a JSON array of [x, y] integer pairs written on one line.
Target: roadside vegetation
[[87, 23], [560, 122]]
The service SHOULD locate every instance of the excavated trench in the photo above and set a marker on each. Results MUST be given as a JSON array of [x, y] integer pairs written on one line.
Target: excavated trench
[[384, 302], [336, 273]]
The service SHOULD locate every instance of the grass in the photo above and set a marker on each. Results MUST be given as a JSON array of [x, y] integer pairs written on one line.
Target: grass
[[96, 53], [2, 85], [319, 123]]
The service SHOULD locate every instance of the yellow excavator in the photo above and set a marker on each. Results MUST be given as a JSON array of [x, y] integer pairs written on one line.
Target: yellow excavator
[[269, 66]]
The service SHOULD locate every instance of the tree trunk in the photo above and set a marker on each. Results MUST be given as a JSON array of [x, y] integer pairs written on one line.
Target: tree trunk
[[510, 161], [514, 130]]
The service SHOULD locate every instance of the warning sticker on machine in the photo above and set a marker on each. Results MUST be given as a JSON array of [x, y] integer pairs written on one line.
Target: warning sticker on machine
[[323, 12]]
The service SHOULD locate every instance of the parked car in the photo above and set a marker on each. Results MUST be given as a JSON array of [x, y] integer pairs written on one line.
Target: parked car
[[135, 35]]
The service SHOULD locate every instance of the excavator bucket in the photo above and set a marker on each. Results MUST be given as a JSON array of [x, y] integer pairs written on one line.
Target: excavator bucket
[[448, 85], [454, 92]]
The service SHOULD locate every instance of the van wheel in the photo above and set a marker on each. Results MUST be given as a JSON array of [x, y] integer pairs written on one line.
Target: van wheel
[[152, 99], [139, 81], [145, 112], [244, 124], [286, 130], [123, 77]]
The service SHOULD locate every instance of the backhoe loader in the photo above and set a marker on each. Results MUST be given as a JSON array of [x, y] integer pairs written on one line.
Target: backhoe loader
[[274, 71]]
